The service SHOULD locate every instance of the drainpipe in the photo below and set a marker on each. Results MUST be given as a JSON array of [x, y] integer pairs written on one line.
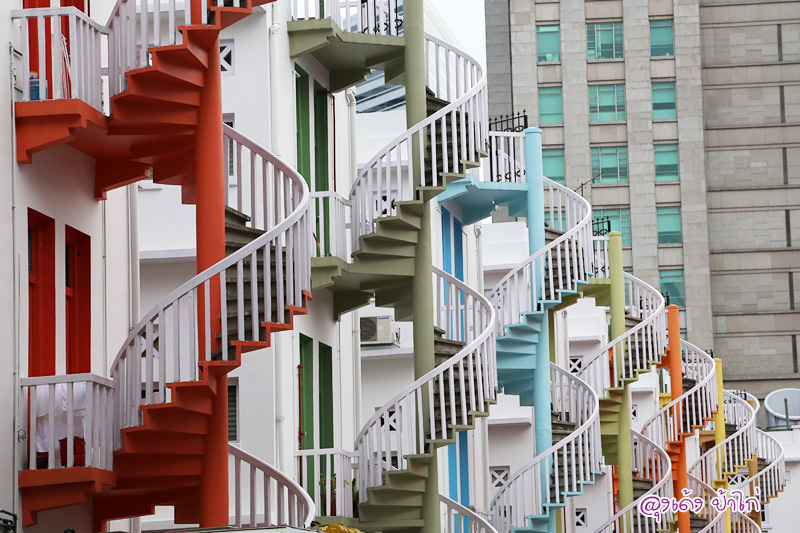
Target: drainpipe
[[133, 242], [274, 78], [350, 94], [15, 269]]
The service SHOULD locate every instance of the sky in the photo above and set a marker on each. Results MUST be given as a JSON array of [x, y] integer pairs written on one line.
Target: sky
[[466, 20]]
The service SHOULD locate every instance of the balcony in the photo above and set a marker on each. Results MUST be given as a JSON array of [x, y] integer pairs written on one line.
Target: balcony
[[70, 441], [349, 37]]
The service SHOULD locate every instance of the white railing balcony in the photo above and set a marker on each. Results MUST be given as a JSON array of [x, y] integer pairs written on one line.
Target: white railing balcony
[[329, 477], [69, 421], [329, 217], [371, 17], [61, 55], [265, 496], [506, 157]]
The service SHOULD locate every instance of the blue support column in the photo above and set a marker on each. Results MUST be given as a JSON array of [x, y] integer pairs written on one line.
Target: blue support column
[[535, 220]]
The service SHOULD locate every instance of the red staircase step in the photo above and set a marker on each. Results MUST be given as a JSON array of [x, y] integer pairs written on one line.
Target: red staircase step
[[166, 442]]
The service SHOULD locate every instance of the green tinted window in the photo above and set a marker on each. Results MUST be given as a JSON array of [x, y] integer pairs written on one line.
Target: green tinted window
[[672, 286], [604, 40], [550, 111], [548, 43], [606, 102], [669, 225], [666, 156], [661, 40], [620, 221], [664, 100], [610, 164], [553, 165]]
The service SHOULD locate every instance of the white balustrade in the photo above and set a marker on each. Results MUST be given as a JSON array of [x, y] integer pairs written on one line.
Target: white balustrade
[[74, 411], [743, 524], [329, 219], [639, 347], [328, 475], [455, 518], [771, 480], [506, 157], [452, 134], [170, 341], [652, 463], [704, 491], [410, 420], [557, 266], [601, 264], [265, 496], [371, 17], [732, 454], [694, 408], [562, 468], [68, 46]]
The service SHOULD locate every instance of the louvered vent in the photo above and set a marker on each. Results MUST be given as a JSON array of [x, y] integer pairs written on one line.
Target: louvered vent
[[233, 402]]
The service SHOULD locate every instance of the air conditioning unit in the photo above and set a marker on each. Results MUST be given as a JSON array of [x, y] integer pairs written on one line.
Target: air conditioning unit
[[377, 330]]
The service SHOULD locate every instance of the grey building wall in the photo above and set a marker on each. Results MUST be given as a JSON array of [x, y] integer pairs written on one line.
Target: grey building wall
[[737, 73]]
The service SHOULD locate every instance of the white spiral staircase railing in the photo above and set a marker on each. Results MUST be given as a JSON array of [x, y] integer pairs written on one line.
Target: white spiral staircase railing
[[650, 461], [638, 348], [772, 478], [732, 454], [557, 266], [529, 490], [704, 491], [692, 409], [262, 489], [461, 127], [455, 516], [167, 344], [402, 427]]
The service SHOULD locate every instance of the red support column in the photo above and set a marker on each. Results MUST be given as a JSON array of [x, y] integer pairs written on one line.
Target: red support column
[[681, 480], [210, 190]]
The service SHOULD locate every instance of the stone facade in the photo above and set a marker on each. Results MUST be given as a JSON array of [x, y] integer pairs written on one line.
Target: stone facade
[[737, 128]]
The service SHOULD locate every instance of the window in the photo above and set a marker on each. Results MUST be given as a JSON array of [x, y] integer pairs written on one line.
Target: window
[[548, 43], [664, 100], [610, 164], [550, 111], [226, 56], [604, 40], [233, 411], [669, 225], [499, 475], [553, 164], [606, 102], [666, 162], [230, 146], [672, 286], [581, 518], [661, 40], [41, 295], [620, 221]]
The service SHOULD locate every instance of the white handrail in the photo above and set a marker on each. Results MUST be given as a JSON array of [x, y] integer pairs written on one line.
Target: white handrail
[[743, 524], [282, 500], [650, 462], [694, 407], [73, 73], [331, 472], [639, 347], [401, 427], [371, 17], [716, 520], [506, 157], [733, 452], [461, 127], [73, 409], [772, 478], [329, 216], [529, 489], [555, 267], [164, 347], [456, 516]]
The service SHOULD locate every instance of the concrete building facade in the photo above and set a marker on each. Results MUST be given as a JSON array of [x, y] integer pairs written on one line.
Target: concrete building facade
[[680, 123]]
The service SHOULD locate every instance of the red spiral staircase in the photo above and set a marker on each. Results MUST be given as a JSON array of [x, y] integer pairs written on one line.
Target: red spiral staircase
[[152, 127]]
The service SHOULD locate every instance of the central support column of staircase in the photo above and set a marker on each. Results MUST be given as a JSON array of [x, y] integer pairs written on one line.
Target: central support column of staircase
[[210, 223], [681, 478], [421, 284], [617, 301]]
